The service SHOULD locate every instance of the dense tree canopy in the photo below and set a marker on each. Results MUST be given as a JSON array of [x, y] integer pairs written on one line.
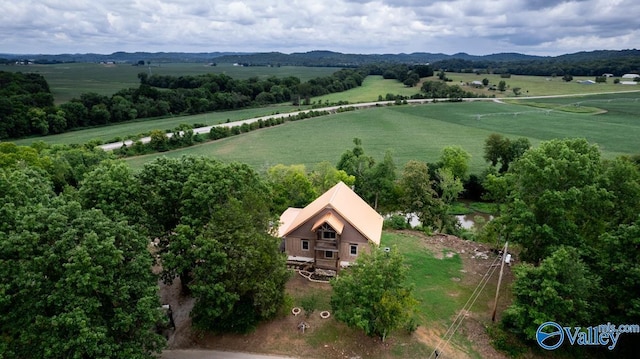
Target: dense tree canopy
[[214, 224], [575, 219], [74, 283], [374, 182]]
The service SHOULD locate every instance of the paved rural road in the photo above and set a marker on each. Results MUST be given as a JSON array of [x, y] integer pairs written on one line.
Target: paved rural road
[[214, 354], [333, 109]]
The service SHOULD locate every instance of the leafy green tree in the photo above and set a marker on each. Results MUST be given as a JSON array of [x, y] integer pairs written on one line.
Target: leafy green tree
[[356, 163], [159, 141], [38, 119], [73, 282], [112, 188], [554, 198], [57, 122], [621, 177], [240, 273], [373, 295], [12, 155], [500, 149], [457, 160], [502, 86], [75, 113], [214, 184], [122, 109], [561, 289], [325, 175], [291, 186], [450, 186], [161, 183], [567, 78], [21, 187], [618, 264], [379, 188], [418, 195]]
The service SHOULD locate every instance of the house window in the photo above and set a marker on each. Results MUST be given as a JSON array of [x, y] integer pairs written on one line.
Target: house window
[[305, 245], [328, 254], [328, 232], [353, 249]]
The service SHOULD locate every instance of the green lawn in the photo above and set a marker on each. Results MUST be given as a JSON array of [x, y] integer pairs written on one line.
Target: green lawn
[[420, 132], [439, 287]]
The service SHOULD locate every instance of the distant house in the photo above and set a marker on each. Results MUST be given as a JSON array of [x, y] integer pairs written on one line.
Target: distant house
[[477, 84], [630, 76], [331, 231], [628, 83], [587, 82], [607, 75]]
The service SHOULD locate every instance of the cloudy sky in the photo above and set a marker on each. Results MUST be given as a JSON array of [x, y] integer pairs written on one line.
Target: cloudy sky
[[479, 27]]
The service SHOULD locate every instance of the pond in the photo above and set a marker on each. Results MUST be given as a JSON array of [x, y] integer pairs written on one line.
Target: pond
[[467, 221]]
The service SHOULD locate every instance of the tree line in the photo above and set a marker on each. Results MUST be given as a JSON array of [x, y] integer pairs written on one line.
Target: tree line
[[549, 67], [27, 107]]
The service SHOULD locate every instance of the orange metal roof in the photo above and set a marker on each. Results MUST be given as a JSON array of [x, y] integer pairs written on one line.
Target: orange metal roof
[[346, 203], [286, 219], [334, 222]]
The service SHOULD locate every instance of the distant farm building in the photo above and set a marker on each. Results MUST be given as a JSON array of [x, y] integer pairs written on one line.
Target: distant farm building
[[630, 76]]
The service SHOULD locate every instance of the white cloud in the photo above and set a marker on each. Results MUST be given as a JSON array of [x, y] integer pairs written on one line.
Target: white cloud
[[546, 27]]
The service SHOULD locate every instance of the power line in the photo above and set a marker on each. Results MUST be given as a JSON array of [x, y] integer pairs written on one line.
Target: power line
[[467, 306]]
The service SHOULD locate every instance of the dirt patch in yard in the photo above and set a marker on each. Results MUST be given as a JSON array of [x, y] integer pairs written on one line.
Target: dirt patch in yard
[[327, 338]]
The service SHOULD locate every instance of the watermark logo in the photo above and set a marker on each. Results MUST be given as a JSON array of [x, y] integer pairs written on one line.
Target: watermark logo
[[551, 335]]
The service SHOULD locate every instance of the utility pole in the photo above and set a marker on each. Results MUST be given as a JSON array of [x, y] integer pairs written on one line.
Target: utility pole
[[495, 304]]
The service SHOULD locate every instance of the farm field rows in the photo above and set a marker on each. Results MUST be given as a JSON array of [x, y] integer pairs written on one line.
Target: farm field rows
[[420, 132]]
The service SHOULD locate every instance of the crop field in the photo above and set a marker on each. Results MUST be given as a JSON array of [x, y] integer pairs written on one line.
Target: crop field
[[71, 80], [420, 132]]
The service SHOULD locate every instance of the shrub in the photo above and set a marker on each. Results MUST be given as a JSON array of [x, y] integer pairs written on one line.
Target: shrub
[[396, 221], [309, 303]]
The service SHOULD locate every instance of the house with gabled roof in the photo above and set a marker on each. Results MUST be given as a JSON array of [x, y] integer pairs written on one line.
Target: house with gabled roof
[[331, 231]]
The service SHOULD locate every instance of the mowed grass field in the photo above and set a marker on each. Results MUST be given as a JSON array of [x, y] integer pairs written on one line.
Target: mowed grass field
[[71, 80], [420, 132], [536, 85], [372, 87]]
